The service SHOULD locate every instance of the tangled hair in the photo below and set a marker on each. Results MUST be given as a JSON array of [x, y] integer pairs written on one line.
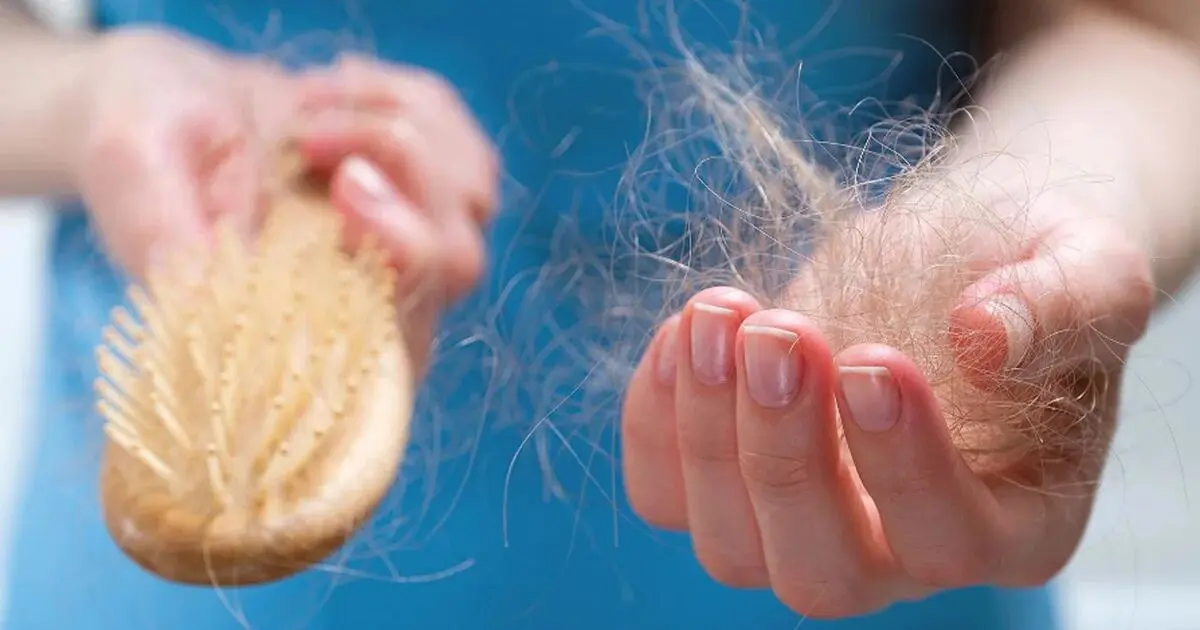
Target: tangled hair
[[739, 181], [869, 268], [870, 237], [742, 180]]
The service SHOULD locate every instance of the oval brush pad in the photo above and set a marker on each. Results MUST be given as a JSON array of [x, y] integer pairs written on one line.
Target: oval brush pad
[[256, 398]]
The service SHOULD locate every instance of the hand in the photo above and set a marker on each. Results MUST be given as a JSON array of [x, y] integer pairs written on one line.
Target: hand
[[180, 135], [410, 164], [177, 136], [733, 422]]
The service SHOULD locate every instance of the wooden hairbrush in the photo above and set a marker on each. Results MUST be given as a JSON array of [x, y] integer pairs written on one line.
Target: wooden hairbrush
[[256, 398]]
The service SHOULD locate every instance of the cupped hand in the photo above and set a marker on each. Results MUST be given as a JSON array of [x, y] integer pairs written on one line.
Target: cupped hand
[[180, 135], [803, 456]]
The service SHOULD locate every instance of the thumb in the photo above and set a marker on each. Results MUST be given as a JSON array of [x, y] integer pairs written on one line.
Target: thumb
[[1084, 296]]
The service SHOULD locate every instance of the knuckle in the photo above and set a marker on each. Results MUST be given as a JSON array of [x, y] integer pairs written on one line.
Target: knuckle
[[490, 173], [492, 163], [354, 61], [464, 265], [660, 518], [649, 432], [901, 488], [1139, 289], [702, 444], [1037, 575], [649, 506], [1039, 562], [356, 68], [731, 571], [463, 273], [1113, 249], [485, 207], [400, 138], [952, 566], [483, 190], [824, 600], [773, 474], [1120, 293], [434, 89]]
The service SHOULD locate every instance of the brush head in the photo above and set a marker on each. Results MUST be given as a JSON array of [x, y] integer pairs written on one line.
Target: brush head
[[256, 397]]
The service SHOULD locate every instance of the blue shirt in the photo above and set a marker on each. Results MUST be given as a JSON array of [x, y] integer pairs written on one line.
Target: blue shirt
[[480, 533]]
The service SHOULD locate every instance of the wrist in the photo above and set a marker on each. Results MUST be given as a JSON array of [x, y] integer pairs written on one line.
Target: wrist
[[42, 76], [1102, 132], [1040, 195], [105, 73], [69, 102]]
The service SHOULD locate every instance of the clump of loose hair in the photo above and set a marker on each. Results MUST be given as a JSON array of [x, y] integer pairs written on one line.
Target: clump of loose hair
[[873, 245]]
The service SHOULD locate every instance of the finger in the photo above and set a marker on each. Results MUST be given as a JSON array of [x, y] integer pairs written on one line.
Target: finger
[[1046, 521], [460, 253], [1047, 502], [719, 514], [942, 522], [370, 88], [371, 206], [650, 447], [462, 257], [356, 82], [369, 85], [393, 145], [1086, 296], [822, 555]]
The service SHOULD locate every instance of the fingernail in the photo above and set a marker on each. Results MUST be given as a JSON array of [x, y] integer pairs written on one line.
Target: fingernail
[[773, 365], [1010, 310], [871, 396], [668, 347], [713, 330], [370, 182], [375, 200]]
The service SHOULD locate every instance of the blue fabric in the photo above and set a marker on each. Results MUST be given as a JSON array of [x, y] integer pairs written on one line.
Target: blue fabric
[[536, 551]]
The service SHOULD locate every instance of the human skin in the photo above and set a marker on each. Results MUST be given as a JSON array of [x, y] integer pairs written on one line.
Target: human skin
[[730, 427], [1150, 198], [197, 131]]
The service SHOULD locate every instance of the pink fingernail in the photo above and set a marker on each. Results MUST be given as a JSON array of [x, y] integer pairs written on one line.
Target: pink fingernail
[[668, 348], [370, 181], [713, 331], [871, 395], [1010, 310], [372, 197], [773, 365]]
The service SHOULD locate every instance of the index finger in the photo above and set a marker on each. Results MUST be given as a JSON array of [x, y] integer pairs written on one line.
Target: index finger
[[942, 522], [365, 92]]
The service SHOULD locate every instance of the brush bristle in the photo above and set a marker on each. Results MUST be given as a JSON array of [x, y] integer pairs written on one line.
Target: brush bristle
[[256, 401]]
